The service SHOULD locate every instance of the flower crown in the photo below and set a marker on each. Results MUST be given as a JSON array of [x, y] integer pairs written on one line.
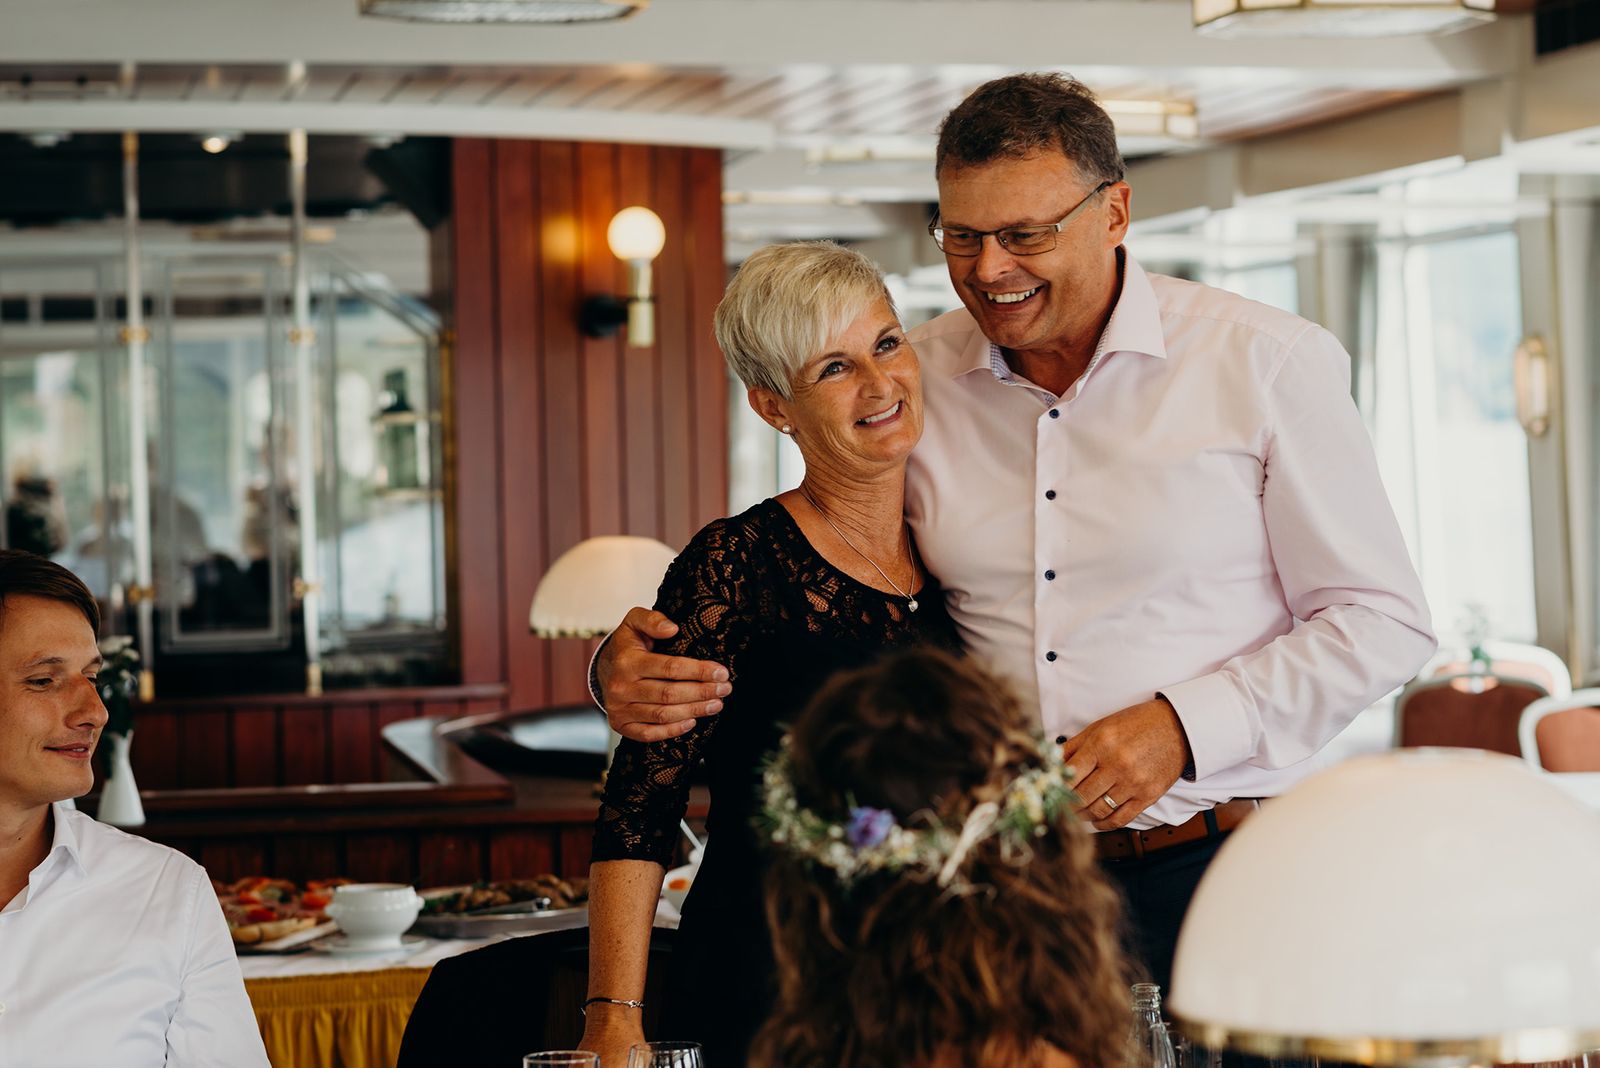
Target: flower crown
[[873, 840]]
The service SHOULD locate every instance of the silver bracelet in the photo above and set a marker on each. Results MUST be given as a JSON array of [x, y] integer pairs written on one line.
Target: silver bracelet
[[584, 1008]]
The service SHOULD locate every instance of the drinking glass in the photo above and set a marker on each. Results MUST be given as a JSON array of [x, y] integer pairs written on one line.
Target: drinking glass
[[562, 1058], [665, 1055]]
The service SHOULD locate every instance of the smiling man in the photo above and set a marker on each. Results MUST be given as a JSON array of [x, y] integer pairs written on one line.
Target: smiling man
[[113, 950], [1152, 506]]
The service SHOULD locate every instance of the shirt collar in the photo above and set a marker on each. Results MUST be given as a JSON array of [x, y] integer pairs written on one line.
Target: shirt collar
[[65, 841], [1135, 326]]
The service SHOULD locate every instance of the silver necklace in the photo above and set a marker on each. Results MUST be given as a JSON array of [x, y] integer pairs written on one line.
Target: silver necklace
[[911, 602]]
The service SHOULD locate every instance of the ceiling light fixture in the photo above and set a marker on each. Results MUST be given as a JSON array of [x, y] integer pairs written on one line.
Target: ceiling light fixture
[[47, 138], [1346, 18], [219, 140], [550, 11], [1134, 117]]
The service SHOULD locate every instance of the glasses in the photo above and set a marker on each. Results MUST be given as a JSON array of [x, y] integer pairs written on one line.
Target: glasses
[[1017, 240]]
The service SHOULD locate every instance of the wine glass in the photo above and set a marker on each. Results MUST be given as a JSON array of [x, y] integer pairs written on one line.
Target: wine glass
[[665, 1055], [562, 1058]]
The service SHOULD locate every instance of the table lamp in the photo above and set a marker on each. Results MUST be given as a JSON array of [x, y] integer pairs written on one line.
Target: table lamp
[[591, 586], [1421, 906]]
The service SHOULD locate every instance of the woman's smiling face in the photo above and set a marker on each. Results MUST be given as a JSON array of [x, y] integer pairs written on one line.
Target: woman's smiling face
[[857, 405]]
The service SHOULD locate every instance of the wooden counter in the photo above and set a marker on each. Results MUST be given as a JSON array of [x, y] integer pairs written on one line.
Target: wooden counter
[[442, 817]]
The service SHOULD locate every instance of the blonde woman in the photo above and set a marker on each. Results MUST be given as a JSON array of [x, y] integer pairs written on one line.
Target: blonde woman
[[816, 580]]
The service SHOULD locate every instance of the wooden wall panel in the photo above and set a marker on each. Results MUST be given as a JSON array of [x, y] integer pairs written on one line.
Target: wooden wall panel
[[591, 437], [475, 438], [256, 758]]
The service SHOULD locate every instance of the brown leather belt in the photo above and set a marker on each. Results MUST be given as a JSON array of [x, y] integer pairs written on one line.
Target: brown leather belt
[[1120, 845]]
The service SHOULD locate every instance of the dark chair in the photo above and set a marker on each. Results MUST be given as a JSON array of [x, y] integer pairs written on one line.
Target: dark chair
[[489, 1007], [1473, 710]]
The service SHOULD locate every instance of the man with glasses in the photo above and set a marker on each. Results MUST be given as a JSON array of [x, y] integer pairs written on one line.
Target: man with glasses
[[1152, 505]]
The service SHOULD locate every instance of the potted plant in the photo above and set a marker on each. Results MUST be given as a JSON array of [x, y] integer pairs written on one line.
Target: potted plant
[[119, 682]]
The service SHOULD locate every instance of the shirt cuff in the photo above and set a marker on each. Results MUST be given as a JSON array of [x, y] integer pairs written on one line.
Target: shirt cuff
[[595, 695], [1215, 721]]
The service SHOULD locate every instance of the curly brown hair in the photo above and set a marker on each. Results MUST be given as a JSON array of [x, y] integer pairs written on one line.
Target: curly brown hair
[[1021, 114], [895, 970]]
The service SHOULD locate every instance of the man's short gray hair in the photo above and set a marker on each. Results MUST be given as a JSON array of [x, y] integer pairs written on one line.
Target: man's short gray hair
[[786, 303], [1021, 114]]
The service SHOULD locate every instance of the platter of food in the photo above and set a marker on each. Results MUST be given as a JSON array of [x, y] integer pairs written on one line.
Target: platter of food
[[268, 915], [504, 906]]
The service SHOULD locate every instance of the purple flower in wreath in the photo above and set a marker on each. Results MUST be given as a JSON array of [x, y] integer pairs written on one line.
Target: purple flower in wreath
[[869, 826]]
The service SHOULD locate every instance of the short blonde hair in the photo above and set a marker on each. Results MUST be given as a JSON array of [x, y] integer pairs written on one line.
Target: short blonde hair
[[786, 303]]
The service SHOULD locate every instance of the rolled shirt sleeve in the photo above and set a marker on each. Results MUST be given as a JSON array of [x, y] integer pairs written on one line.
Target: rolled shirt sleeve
[[1362, 623]]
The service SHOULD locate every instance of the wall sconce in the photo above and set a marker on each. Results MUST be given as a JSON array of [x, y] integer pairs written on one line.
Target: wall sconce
[[1531, 377], [635, 236]]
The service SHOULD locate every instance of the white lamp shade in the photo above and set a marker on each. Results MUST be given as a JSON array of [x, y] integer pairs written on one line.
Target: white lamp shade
[[1397, 907], [592, 585], [636, 234]]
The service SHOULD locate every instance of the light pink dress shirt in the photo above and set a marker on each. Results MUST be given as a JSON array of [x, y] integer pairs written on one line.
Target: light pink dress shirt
[[1200, 516]]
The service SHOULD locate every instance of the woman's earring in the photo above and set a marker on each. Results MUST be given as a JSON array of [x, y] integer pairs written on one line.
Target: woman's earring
[[786, 429]]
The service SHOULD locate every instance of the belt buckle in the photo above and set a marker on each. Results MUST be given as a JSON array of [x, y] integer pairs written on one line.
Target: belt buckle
[[1137, 838]]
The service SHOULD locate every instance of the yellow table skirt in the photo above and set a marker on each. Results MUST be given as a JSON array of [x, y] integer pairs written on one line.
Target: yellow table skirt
[[338, 1020]]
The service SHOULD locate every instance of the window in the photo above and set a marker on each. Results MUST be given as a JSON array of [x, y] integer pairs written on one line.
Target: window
[[1454, 457]]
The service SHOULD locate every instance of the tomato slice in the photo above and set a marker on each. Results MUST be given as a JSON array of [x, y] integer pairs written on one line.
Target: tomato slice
[[313, 900], [249, 897], [260, 914]]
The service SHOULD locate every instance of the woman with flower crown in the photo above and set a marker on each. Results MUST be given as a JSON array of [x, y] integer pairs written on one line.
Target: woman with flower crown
[[933, 901], [816, 580]]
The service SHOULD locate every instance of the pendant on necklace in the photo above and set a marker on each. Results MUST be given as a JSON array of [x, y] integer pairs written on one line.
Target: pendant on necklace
[[911, 603]]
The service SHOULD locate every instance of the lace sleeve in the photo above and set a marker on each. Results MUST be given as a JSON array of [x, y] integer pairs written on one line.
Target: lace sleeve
[[707, 593]]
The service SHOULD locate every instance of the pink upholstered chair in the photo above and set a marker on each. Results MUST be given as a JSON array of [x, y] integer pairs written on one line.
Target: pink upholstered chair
[[1562, 733]]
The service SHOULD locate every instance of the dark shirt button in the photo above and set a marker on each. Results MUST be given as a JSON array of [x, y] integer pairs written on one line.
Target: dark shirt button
[[1051, 655], [1049, 576], [1049, 495], [1055, 413]]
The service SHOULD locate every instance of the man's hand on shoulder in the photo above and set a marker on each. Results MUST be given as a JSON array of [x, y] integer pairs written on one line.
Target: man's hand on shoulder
[[1133, 756], [648, 696]]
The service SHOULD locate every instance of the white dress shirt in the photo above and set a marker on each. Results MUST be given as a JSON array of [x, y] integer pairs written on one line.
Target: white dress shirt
[[1200, 516], [116, 955]]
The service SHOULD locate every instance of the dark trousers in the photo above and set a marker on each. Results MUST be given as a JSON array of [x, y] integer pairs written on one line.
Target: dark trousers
[[1156, 890]]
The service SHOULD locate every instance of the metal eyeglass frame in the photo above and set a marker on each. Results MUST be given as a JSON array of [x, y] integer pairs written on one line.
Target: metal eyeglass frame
[[937, 232]]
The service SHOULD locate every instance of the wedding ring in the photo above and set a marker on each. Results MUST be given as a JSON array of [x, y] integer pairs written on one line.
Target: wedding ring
[[1107, 799]]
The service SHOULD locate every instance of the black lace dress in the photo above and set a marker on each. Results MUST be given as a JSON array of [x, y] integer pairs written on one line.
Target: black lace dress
[[749, 592]]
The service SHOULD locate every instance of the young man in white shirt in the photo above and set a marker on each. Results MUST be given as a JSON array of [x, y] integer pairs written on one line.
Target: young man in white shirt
[[1151, 504], [113, 949]]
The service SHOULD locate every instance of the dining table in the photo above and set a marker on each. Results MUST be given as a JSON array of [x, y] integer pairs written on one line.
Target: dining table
[[322, 1009]]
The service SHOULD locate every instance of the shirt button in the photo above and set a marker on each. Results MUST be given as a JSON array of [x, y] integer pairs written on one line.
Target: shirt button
[[2, 1008], [1049, 495], [1055, 413], [1049, 576], [1051, 655]]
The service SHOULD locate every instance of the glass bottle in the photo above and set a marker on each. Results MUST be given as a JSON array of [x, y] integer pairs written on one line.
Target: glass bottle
[[1149, 1045], [399, 422]]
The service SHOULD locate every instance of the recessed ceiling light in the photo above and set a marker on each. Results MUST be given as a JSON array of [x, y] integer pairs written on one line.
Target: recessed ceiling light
[[218, 140], [503, 10], [46, 138]]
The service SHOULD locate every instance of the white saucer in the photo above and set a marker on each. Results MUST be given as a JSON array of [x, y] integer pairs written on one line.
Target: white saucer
[[339, 945]]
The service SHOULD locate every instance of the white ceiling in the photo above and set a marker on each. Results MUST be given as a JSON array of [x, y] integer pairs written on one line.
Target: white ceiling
[[780, 83]]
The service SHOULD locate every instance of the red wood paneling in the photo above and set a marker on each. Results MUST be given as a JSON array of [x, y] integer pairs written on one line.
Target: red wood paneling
[[445, 858], [203, 749], [155, 748], [519, 366], [476, 430], [350, 732], [304, 745], [255, 748], [679, 508]]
